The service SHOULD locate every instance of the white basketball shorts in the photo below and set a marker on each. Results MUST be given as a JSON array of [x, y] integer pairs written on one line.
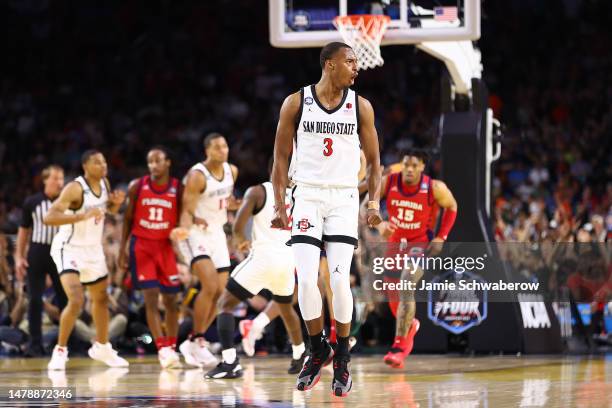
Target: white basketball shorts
[[265, 268], [324, 215], [86, 261], [208, 243]]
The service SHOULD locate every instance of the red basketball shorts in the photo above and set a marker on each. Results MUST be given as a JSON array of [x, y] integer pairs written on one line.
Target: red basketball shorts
[[153, 265]]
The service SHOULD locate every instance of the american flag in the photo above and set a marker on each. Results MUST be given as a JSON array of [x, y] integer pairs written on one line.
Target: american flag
[[445, 13]]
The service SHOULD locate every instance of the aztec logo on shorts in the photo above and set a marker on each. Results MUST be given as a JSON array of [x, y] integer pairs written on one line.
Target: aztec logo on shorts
[[304, 225]]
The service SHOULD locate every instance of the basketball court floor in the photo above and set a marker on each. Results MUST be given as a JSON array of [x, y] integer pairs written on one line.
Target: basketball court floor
[[426, 381]]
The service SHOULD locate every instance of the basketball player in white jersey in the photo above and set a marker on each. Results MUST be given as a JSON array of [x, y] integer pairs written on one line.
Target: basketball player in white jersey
[[206, 198], [329, 121], [252, 330], [269, 266], [78, 254]]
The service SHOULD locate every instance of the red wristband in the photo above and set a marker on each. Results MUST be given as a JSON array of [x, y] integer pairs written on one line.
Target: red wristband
[[448, 220]]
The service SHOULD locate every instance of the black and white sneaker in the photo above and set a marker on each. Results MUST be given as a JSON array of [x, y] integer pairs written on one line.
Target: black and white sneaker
[[296, 365], [311, 372], [342, 383], [225, 370]]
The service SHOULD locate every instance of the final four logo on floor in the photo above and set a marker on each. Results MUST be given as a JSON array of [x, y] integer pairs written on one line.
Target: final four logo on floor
[[457, 310]]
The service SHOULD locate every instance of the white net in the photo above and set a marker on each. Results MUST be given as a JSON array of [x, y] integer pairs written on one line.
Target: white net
[[364, 33]]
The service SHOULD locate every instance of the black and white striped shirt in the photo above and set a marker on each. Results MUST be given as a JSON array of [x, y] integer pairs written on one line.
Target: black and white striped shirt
[[35, 207]]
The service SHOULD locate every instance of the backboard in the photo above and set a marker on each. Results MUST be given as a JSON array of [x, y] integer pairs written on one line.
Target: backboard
[[308, 23]]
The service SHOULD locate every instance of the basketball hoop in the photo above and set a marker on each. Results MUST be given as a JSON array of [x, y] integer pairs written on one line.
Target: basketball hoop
[[364, 33]]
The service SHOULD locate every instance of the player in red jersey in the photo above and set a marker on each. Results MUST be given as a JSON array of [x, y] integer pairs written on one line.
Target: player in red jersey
[[413, 199], [150, 217]]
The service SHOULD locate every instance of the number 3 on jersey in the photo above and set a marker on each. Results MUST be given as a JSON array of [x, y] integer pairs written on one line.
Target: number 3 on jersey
[[328, 141]]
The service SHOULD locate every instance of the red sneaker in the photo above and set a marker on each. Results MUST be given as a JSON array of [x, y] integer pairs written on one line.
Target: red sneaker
[[395, 357], [402, 347]]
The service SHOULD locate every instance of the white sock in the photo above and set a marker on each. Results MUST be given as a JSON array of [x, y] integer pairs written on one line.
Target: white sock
[[229, 355], [260, 322], [298, 350]]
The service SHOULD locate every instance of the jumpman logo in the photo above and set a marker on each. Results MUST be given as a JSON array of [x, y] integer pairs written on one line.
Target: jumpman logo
[[337, 270]]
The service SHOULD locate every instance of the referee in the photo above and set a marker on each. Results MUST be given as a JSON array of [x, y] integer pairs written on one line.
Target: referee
[[37, 263]]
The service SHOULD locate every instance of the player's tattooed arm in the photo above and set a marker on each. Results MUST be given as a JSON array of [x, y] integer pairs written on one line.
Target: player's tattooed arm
[[127, 224], [253, 200], [71, 197], [369, 143], [283, 146]]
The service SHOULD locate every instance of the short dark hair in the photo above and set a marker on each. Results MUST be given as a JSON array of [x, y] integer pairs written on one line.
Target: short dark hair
[[48, 169], [210, 137], [162, 149], [329, 50], [87, 155], [418, 153]]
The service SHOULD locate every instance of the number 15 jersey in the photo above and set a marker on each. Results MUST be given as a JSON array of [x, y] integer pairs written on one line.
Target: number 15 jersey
[[327, 148]]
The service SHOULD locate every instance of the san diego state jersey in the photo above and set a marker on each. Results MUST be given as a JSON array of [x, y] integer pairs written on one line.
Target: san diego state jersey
[[411, 212], [86, 232], [212, 203], [155, 209], [327, 144]]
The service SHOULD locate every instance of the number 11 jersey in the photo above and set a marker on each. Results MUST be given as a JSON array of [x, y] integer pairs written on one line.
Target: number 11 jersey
[[155, 209], [327, 148]]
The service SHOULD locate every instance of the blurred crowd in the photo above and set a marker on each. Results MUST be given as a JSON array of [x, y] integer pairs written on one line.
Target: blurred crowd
[[123, 76], [553, 189], [553, 179]]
